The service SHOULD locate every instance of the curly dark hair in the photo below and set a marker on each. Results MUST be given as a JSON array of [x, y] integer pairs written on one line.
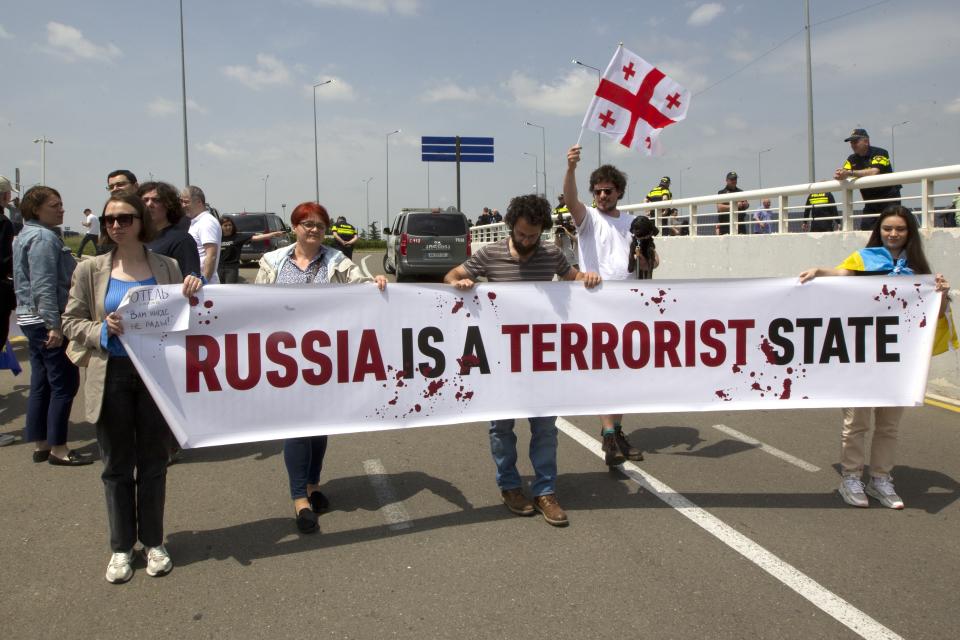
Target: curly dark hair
[[609, 173], [168, 196], [916, 259], [532, 208]]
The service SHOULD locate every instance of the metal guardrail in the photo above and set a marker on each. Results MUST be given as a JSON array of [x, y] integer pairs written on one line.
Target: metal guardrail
[[782, 207]]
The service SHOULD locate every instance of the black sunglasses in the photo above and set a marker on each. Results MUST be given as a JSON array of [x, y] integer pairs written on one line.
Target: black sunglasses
[[122, 219], [604, 191]]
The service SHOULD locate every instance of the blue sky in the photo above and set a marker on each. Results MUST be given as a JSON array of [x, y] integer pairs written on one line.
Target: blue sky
[[102, 80]]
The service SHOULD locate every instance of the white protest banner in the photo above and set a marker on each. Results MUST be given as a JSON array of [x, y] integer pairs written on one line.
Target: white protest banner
[[269, 362]]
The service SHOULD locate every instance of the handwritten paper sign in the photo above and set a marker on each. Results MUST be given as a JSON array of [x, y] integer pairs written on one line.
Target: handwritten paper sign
[[155, 309]]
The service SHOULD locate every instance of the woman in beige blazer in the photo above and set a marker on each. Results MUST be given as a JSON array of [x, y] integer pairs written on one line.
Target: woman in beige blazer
[[131, 431]]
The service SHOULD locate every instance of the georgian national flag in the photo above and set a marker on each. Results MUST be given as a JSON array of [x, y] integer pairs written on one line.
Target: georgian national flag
[[635, 101]]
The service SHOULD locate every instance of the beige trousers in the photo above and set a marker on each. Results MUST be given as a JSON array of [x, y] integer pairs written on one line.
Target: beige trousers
[[856, 423]]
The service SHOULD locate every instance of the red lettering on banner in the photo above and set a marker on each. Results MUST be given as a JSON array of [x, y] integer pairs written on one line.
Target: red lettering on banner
[[541, 346], [664, 344], [604, 345], [515, 331], [573, 343], [233, 361], [369, 359], [274, 342], [343, 362], [690, 343], [707, 336], [205, 366], [740, 328], [641, 344], [308, 347]]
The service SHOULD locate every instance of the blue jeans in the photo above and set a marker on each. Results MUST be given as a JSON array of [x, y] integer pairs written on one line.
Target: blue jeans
[[54, 381], [543, 454], [304, 460]]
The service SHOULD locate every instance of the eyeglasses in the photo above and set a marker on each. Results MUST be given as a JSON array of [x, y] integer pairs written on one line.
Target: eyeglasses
[[118, 185], [123, 220], [310, 225], [604, 191]]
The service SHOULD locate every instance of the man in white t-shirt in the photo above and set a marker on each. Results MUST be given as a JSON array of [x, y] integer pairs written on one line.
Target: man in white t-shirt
[[92, 223], [206, 231], [605, 244]]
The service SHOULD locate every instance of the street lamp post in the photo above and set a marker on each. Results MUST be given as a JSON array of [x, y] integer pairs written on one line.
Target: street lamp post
[[183, 95], [387, 137], [536, 170], [366, 219], [582, 64], [284, 207], [43, 142], [759, 171], [316, 161], [543, 133], [893, 140], [265, 178]]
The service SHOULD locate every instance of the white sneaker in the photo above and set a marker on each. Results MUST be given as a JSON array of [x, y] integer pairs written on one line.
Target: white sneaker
[[158, 561], [7, 439], [851, 490], [120, 568], [881, 488]]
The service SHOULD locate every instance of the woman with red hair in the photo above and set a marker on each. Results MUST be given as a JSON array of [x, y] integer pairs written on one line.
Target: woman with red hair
[[308, 261]]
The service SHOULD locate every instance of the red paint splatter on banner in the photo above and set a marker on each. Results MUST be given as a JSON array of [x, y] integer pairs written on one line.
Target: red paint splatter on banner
[[787, 384], [467, 362], [394, 401], [457, 306], [736, 368], [433, 388], [468, 395], [416, 408], [720, 393], [789, 369], [923, 321], [491, 295], [194, 301], [208, 304], [768, 351]]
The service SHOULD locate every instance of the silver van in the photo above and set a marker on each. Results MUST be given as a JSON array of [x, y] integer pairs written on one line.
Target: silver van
[[425, 242]]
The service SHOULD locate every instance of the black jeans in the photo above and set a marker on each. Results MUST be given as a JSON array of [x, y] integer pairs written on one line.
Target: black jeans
[[133, 438], [228, 274], [304, 460]]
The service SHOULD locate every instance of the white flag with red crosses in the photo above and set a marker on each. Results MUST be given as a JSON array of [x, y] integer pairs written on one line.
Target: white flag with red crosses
[[635, 101]]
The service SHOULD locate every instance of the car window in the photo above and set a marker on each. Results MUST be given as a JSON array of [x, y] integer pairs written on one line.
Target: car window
[[249, 223], [436, 224]]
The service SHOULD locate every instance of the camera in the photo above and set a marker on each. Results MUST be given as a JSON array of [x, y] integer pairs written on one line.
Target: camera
[[643, 230]]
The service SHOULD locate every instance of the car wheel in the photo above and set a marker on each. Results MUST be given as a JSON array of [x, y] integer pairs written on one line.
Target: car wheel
[[387, 267]]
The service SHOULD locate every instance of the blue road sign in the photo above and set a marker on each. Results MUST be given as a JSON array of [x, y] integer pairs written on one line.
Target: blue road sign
[[444, 149]]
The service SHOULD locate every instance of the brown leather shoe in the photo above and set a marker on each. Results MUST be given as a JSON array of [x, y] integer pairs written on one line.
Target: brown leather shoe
[[550, 508], [628, 451], [612, 455], [517, 502]]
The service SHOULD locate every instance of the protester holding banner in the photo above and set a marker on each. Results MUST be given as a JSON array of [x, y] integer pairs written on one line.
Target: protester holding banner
[[308, 261], [131, 431], [894, 248], [605, 246], [522, 257], [42, 267]]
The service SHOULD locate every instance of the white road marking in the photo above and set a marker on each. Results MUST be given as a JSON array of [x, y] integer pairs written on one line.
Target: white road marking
[[827, 601], [393, 511], [783, 455], [363, 267]]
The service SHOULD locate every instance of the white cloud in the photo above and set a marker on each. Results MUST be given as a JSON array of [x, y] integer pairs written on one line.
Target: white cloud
[[405, 7], [218, 151], [162, 107], [736, 123], [450, 92], [337, 91], [705, 14], [70, 44], [569, 96], [269, 72], [953, 107], [4, 34]]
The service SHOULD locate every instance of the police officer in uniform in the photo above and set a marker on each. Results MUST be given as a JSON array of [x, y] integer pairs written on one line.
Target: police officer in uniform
[[345, 235], [819, 206], [660, 192], [867, 160]]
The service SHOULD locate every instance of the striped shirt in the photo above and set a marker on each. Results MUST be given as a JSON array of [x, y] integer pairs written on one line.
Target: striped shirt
[[495, 263]]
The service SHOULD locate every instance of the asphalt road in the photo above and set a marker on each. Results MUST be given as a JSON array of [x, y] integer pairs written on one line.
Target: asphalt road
[[709, 537]]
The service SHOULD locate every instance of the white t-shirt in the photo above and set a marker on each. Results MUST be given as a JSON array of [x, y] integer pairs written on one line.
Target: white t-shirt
[[206, 230], [94, 222], [604, 244]]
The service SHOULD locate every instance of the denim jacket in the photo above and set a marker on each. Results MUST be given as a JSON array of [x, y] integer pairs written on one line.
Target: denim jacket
[[42, 269]]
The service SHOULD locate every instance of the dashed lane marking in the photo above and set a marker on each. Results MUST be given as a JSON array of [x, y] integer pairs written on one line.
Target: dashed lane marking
[[393, 510], [363, 267], [824, 599], [777, 453]]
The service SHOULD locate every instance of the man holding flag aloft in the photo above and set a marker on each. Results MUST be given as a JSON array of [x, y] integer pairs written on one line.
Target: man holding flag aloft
[[633, 103]]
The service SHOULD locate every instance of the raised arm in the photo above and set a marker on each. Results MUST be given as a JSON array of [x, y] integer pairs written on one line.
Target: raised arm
[[577, 208]]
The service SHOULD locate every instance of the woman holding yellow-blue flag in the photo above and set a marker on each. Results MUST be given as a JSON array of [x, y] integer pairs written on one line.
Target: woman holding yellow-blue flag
[[894, 248]]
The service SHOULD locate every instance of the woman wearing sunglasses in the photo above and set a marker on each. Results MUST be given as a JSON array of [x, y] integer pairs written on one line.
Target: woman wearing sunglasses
[[131, 432], [42, 268], [308, 261]]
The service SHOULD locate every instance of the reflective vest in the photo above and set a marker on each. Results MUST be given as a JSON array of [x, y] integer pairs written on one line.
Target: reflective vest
[[818, 198], [659, 193]]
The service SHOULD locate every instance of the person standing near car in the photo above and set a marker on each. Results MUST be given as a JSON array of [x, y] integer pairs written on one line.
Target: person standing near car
[[205, 230], [345, 235], [231, 248]]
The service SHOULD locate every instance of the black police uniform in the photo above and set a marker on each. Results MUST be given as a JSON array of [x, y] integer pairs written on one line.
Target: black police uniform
[[876, 158]]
